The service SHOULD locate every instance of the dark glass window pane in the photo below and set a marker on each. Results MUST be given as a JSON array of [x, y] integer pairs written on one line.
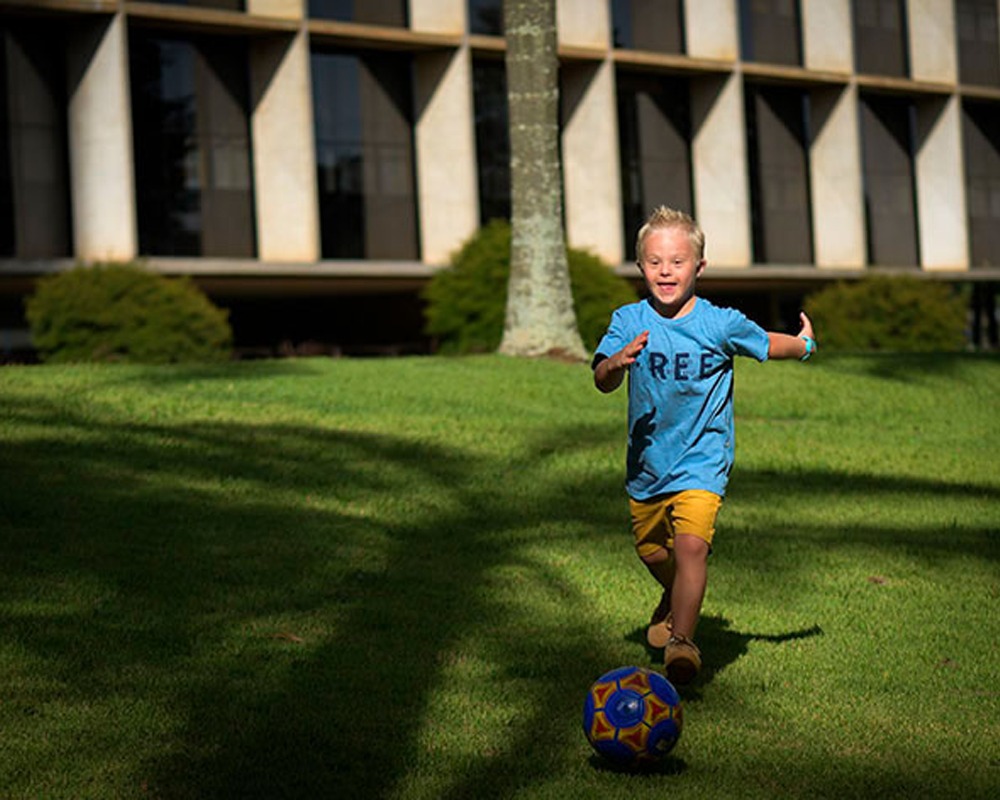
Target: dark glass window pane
[[34, 188], [486, 17], [167, 186], [364, 155], [192, 146], [880, 40], [227, 5], [655, 25], [654, 122], [770, 31], [887, 126], [981, 135], [8, 237], [492, 139], [371, 12], [779, 174], [976, 29]]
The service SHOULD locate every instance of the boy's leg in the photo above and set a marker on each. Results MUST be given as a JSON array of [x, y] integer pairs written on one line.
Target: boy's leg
[[681, 656], [651, 530], [661, 566], [693, 519], [691, 577]]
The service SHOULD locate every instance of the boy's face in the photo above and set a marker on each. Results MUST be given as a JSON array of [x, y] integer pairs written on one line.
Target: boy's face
[[670, 268]]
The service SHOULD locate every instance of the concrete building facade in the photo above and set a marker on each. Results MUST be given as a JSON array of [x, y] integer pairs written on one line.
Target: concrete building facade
[[311, 163]]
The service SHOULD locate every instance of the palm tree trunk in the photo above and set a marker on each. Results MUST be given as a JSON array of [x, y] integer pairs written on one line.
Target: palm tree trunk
[[540, 317]]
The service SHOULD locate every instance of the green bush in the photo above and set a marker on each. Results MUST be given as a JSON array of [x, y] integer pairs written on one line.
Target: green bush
[[466, 301], [898, 314], [122, 312]]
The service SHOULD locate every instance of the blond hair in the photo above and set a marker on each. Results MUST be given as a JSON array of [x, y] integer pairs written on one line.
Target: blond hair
[[663, 217]]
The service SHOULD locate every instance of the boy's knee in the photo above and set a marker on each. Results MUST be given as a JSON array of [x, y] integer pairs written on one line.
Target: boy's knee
[[688, 547]]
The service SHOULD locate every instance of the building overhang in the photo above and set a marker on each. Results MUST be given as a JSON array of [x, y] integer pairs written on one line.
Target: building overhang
[[248, 277]]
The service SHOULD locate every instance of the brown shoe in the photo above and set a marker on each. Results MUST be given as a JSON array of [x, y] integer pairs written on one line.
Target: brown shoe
[[661, 624], [681, 659]]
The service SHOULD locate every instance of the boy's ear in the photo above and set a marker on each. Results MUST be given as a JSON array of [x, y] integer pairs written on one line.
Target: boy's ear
[[701, 268]]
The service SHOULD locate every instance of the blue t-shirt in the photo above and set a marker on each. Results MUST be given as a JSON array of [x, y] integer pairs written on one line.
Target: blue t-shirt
[[680, 394]]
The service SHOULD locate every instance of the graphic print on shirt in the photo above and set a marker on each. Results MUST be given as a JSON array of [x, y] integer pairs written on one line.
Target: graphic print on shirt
[[640, 437]]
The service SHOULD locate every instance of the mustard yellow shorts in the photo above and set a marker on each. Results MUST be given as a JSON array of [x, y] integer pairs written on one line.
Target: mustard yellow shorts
[[656, 522]]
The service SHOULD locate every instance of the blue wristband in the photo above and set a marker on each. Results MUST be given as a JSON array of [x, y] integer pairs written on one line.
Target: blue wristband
[[810, 347]]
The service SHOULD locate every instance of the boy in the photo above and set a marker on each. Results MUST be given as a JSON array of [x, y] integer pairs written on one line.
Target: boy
[[678, 351]]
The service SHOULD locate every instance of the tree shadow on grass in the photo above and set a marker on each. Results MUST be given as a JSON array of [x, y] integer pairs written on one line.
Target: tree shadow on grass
[[905, 367], [227, 371], [297, 648], [811, 483]]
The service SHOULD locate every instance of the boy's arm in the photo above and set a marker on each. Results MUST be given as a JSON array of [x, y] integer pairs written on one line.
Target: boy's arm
[[781, 345], [610, 372]]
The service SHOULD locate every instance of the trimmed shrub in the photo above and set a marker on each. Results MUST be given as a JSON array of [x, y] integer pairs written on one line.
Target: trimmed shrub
[[897, 314], [122, 312], [467, 301]]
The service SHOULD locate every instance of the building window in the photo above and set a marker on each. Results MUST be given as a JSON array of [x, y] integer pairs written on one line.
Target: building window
[[981, 139], [654, 123], [486, 17], [880, 40], [770, 31], [887, 136], [364, 155], [192, 146], [34, 189], [489, 82], [641, 25], [976, 27], [226, 5], [777, 147], [370, 12]]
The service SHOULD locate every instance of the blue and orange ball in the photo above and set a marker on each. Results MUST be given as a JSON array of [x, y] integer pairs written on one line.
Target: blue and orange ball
[[632, 716]]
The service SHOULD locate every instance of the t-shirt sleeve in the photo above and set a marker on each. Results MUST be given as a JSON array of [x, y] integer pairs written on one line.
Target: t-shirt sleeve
[[745, 337], [614, 339]]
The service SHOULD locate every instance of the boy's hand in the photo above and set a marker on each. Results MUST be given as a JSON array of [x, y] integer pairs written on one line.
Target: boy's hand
[[807, 326], [609, 374], [784, 345], [630, 352]]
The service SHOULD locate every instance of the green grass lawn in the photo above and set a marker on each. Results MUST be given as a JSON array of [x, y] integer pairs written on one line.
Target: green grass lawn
[[397, 578]]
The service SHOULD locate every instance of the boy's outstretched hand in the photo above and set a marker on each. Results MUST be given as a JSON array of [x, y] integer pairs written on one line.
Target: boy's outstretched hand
[[807, 326], [609, 373], [628, 354], [782, 345]]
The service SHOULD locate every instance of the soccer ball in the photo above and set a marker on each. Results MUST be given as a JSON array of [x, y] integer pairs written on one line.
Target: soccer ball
[[632, 716]]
